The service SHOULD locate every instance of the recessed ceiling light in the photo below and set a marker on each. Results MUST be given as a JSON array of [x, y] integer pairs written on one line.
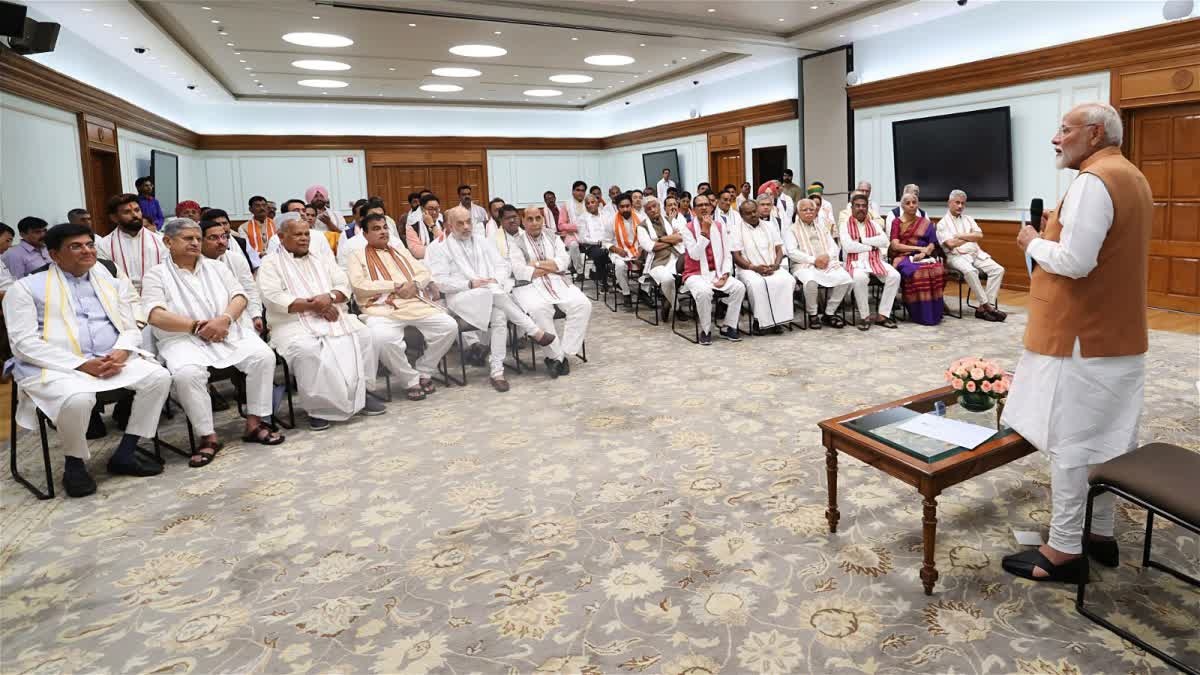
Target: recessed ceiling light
[[842, 35], [496, 32], [247, 68], [703, 50], [570, 78], [542, 93], [780, 19], [323, 84], [215, 21], [916, 14], [456, 72], [642, 44], [711, 10], [222, 32], [228, 44], [241, 60], [636, 76], [124, 37], [814, 7], [108, 25], [318, 40], [391, 69], [316, 17], [441, 87], [478, 51], [683, 58], [609, 60], [412, 25], [516, 75], [610, 86], [665, 65], [316, 64], [85, 9], [237, 53], [575, 39], [207, 8], [324, 93]]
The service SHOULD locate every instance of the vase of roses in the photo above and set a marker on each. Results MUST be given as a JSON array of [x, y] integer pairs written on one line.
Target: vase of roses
[[979, 382]]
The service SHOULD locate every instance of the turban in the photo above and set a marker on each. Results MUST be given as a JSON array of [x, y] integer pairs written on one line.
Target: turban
[[312, 192], [185, 205], [771, 186], [814, 189]]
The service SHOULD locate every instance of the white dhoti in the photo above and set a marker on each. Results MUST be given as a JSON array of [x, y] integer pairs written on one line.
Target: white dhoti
[[574, 304], [620, 271], [891, 284], [1080, 412], [770, 296], [439, 331], [189, 359], [970, 267], [702, 294], [834, 277], [664, 276], [331, 372], [67, 399]]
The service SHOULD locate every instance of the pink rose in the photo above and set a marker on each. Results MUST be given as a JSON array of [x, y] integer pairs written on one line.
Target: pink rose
[[957, 384], [948, 375], [960, 372], [990, 370], [1000, 388], [986, 387], [971, 387], [977, 374]]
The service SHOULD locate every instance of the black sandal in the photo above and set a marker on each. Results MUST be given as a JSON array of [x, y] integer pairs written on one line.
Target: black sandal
[[1022, 564], [834, 321], [427, 386], [414, 393], [263, 436], [206, 458], [888, 322]]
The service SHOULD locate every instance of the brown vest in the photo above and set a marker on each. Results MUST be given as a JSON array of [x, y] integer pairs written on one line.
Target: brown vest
[[1106, 309]]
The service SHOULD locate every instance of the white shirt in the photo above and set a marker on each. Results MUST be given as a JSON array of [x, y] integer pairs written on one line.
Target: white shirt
[[6, 278], [950, 227], [1086, 215], [590, 228], [757, 244], [663, 186], [132, 255]]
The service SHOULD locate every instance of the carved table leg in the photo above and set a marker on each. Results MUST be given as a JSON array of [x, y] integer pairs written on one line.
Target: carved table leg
[[831, 513], [929, 573]]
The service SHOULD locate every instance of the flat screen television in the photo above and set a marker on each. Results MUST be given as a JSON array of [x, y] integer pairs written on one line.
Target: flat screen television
[[969, 151], [653, 164], [164, 171]]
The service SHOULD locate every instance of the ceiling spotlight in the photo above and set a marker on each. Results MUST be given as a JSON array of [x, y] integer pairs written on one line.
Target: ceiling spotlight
[[496, 32], [316, 17], [542, 93], [569, 78], [456, 72], [711, 10], [215, 21], [326, 40], [441, 87], [412, 25], [108, 25], [323, 84], [392, 69], [780, 19], [814, 7], [228, 44], [478, 51], [207, 8], [85, 9], [575, 39], [315, 64], [703, 50], [609, 60], [247, 68]]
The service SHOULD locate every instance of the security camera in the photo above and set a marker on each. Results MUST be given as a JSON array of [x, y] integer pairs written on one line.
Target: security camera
[[962, 3], [696, 82], [191, 86], [140, 50], [626, 102]]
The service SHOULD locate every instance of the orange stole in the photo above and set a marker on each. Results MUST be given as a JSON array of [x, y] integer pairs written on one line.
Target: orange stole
[[254, 235], [629, 246]]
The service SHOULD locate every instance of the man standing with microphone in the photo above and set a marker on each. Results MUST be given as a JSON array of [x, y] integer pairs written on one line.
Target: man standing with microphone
[[1077, 391]]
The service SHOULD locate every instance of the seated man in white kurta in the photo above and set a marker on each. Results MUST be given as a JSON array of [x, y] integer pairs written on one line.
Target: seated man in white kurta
[[72, 337], [540, 265], [476, 281], [396, 291], [663, 245], [708, 268], [758, 254], [329, 350], [215, 246], [959, 236], [130, 246], [814, 255], [866, 244], [621, 241], [197, 309]]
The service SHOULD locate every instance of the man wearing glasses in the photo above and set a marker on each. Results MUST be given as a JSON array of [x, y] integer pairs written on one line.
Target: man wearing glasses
[[214, 245], [72, 336]]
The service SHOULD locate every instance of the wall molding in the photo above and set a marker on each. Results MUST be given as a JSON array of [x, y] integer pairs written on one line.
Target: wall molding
[[376, 143], [1107, 52]]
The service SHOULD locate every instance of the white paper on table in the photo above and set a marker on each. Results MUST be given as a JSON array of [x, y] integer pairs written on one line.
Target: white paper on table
[[959, 433]]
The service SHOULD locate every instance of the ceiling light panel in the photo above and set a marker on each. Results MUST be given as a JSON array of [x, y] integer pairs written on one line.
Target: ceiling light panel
[[323, 84], [316, 64], [609, 60], [478, 51], [456, 72], [322, 40], [542, 93], [571, 78], [441, 87]]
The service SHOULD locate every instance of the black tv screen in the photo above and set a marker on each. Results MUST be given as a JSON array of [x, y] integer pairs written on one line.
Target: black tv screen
[[653, 164], [968, 151]]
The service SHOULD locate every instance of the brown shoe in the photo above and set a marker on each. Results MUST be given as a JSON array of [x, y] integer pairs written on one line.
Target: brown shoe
[[545, 340], [499, 384]]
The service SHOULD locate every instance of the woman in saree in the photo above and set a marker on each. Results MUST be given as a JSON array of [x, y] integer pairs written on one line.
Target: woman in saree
[[915, 254]]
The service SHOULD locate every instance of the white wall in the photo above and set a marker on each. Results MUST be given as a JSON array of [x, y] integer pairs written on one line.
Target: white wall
[[41, 171], [826, 154], [985, 30], [231, 178], [1036, 111], [786, 133], [521, 176], [134, 150], [623, 166]]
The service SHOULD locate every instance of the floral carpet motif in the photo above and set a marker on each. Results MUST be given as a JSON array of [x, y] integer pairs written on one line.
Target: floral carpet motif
[[659, 510]]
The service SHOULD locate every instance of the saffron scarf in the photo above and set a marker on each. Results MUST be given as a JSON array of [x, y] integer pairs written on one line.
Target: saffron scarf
[[873, 258], [378, 271], [255, 235], [627, 242]]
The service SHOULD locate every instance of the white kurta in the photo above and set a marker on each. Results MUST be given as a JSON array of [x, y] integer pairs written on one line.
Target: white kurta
[[1078, 410], [803, 243], [41, 315], [542, 294], [317, 243], [454, 263], [132, 255], [6, 278], [333, 360], [770, 295], [240, 268], [662, 187]]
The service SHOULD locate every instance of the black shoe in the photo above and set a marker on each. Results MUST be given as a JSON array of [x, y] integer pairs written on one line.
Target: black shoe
[[138, 466], [551, 367], [1021, 564], [564, 366], [731, 334], [833, 321], [96, 428], [706, 339], [666, 313], [318, 424], [1105, 552], [78, 482], [814, 322]]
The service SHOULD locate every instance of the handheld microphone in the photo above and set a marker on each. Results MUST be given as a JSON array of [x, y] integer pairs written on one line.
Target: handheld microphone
[[1035, 213]]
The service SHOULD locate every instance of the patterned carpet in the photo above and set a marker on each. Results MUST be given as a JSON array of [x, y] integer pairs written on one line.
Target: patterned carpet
[[660, 510]]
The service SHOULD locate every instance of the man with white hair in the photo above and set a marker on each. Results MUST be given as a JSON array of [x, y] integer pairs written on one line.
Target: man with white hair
[[708, 269], [657, 236], [815, 262], [197, 309], [863, 187], [959, 236], [319, 243], [329, 350], [1078, 388], [477, 281], [758, 254], [540, 263]]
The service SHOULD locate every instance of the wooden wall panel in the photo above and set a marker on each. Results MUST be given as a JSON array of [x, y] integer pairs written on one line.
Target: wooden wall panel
[[1157, 82], [1000, 240], [745, 117]]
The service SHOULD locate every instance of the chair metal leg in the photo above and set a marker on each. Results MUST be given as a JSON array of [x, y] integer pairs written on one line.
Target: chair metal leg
[[16, 474], [1146, 543]]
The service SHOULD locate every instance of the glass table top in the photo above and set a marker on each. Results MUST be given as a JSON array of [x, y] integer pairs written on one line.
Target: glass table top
[[883, 426]]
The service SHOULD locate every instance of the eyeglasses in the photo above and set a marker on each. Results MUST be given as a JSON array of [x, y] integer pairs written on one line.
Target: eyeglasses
[[81, 246], [216, 237], [1066, 128]]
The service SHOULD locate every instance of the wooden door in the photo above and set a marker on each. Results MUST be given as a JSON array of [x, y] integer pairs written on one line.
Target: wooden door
[[1166, 147], [105, 182], [727, 167], [393, 184]]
